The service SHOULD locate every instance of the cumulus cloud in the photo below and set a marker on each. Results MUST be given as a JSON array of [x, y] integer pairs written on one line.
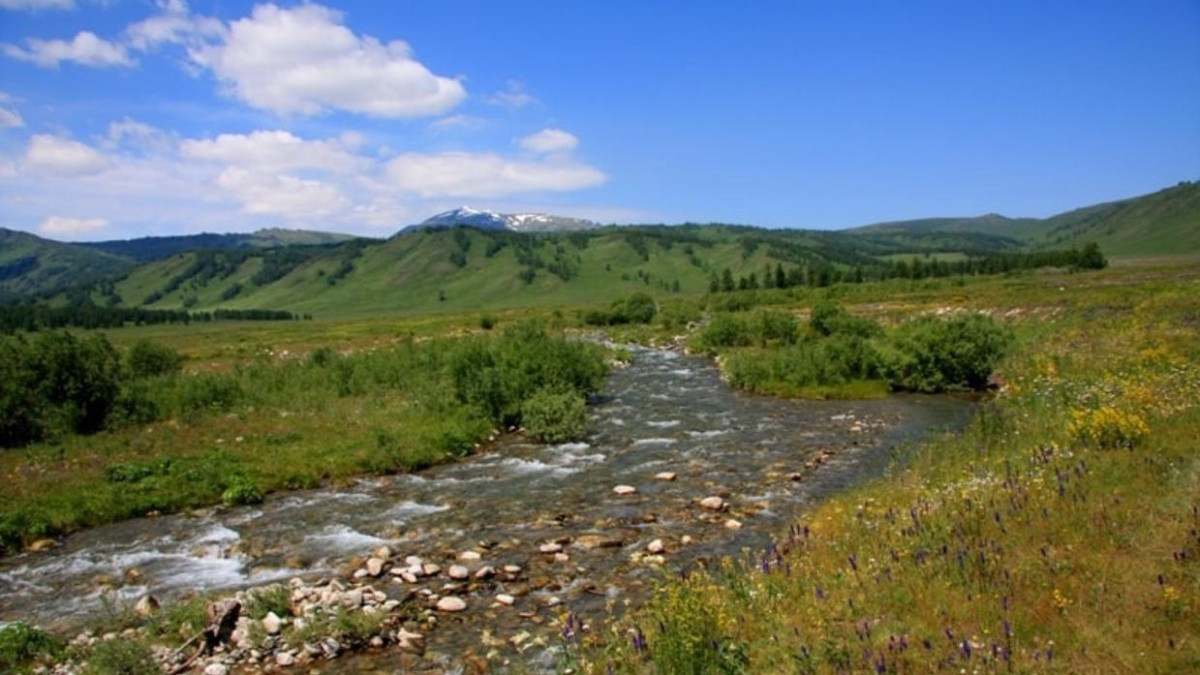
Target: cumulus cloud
[[175, 24], [282, 195], [63, 156], [36, 5], [130, 133], [548, 141], [460, 174], [61, 226], [277, 151], [86, 49], [304, 61]]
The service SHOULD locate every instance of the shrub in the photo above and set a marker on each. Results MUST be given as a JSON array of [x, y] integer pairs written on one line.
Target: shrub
[[1108, 428], [241, 491], [933, 355], [274, 598], [555, 417], [487, 322], [20, 644], [147, 359], [829, 318], [121, 657]]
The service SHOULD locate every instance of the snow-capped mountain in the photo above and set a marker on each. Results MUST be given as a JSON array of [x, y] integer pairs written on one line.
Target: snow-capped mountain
[[517, 222]]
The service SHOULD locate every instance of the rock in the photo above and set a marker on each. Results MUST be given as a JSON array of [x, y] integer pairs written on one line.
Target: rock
[[506, 599], [43, 545], [146, 606], [330, 648], [408, 576], [375, 642], [383, 552], [561, 558], [410, 641], [375, 566], [285, 659], [732, 524], [216, 669], [656, 546], [352, 599], [485, 572], [431, 569], [553, 601], [712, 503], [451, 604], [593, 541], [272, 623], [552, 547], [468, 556], [512, 569], [665, 476], [624, 490], [685, 539], [413, 561], [361, 574], [459, 572]]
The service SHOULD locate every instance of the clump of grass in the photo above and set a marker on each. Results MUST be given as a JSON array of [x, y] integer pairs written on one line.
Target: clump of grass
[[21, 645], [274, 598], [121, 657]]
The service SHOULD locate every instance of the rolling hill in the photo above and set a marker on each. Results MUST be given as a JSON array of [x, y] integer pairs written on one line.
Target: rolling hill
[[31, 264]]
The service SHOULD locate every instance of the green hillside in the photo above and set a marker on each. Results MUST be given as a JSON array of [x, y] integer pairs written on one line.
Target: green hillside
[[1166, 222], [146, 249], [30, 264]]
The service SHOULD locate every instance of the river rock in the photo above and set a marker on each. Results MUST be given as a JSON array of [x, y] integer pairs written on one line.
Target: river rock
[[656, 546], [431, 569], [552, 547], [43, 545], [512, 569], [561, 558], [713, 503], [469, 556], [146, 606], [458, 572], [272, 623], [624, 490], [667, 476], [732, 524], [216, 669], [375, 566], [410, 641], [451, 604], [506, 599], [485, 572], [285, 659], [413, 561], [383, 552], [352, 599]]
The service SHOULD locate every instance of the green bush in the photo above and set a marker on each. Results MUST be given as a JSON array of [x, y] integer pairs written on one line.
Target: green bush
[[555, 417], [121, 657], [147, 359], [637, 308], [20, 644], [934, 355], [829, 318], [241, 491]]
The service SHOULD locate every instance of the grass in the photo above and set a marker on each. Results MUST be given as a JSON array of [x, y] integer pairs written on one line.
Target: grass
[[1058, 533]]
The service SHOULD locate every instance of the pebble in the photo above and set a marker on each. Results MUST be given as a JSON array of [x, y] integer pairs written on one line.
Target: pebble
[[656, 546], [383, 552], [561, 557], [665, 476], [216, 669], [712, 503], [375, 566], [506, 599], [552, 547], [146, 606], [431, 569], [469, 556], [553, 601], [272, 623], [451, 604], [732, 524], [624, 490], [459, 572], [485, 572], [285, 659], [512, 569]]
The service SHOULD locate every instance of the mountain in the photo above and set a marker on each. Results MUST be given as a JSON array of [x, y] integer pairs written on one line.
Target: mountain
[[31, 264], [146, 249], [515, 222], [1166, 222]]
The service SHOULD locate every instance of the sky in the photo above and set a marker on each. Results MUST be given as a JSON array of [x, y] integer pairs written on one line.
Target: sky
[[126, 118]]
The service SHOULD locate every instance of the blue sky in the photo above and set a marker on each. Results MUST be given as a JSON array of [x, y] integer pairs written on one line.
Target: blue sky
[[123, 118]]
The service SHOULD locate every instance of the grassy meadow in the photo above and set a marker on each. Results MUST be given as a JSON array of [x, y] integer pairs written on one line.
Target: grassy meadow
[[1058, 533]]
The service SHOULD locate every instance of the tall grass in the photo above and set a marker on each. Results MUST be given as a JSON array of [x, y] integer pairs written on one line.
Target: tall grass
[[1058, 533]]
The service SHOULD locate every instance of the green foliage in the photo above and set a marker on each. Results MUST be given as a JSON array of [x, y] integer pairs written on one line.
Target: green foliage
[[147, 359], [638, 308], [554, 417], [829, 318], [121, 657], [487, 322], [357, 628], [935, 355], [21, 643], [241, 491], [274, 598]]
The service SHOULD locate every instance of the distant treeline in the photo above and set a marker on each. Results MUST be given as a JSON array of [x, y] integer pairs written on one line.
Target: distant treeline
[[823, 274], [30, 318]]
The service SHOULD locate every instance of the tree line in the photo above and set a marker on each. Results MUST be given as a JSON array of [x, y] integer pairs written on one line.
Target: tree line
[[32, 318]]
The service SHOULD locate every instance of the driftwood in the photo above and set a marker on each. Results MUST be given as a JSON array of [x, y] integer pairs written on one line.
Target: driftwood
[[222, 619]]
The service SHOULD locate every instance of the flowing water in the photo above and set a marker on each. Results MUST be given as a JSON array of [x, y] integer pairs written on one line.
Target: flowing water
[[768, 458]]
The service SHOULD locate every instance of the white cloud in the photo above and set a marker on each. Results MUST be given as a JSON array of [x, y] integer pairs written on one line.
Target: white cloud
[[455, 174], [36, 5], [513, 96], [10, 118], [303, 61], [130, 133], [174, 25], [61, 226], [277, 151], [453, 122], [549, 141], [63, 156], [282, 195], [86, 50]]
